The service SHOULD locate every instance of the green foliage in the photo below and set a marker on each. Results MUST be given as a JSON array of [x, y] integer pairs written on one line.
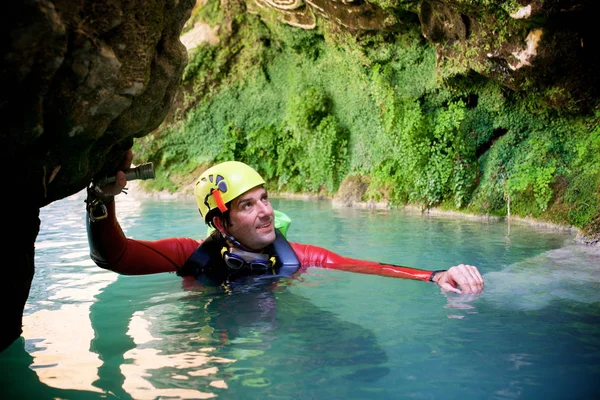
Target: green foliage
[[534, 170], [508, 5], [210, 12], [428, 159], [308, 43], [201, 60], [583, 193], [309, 108], [306, 152], [232, 146], [306, 111], [327, 160]]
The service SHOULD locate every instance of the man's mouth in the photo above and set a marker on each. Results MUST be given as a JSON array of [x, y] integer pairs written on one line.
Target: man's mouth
[[264, 226]]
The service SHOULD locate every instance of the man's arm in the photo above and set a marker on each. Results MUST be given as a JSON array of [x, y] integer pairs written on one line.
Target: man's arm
[[111, 249], [466, 277]]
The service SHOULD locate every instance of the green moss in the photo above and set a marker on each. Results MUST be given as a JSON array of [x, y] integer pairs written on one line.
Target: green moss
[[210, 12], [309, 108]]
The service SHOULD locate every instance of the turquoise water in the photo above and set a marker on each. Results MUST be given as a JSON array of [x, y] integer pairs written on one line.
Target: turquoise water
[[533, 334]]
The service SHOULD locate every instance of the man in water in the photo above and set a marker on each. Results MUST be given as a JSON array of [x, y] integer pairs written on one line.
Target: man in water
[[232, 199]]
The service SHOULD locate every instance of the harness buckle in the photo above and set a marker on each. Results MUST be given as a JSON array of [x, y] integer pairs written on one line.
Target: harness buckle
[[95, 206]]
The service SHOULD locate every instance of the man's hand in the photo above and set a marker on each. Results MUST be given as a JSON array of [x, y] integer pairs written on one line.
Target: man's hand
[[467, 277], [115, 188]]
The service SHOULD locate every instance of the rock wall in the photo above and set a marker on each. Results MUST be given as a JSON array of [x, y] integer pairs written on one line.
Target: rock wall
[[80, 80]]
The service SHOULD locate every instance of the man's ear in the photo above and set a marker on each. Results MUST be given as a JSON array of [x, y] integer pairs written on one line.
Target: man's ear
[[218, 224]]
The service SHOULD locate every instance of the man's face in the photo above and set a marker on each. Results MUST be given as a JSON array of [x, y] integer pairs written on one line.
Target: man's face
[[252, 219]]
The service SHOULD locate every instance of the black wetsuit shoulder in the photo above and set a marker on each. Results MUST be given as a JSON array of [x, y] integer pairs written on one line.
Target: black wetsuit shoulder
[[207, 264], [207, 260]]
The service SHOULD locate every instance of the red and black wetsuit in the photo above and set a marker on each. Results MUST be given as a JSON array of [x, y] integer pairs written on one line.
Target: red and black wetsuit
[[111, 249]]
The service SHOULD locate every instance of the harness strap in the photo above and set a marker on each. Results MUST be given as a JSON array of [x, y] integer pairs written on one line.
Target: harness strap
[[194, 265], [287, 262]]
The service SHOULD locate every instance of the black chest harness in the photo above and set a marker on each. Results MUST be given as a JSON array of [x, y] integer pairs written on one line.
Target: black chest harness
[[206, 263]]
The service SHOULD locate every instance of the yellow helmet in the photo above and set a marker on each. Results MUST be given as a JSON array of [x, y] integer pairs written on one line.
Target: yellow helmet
[[222, 183]]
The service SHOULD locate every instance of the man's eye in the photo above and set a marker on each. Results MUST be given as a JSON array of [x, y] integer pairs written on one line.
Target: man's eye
[[246, 206]]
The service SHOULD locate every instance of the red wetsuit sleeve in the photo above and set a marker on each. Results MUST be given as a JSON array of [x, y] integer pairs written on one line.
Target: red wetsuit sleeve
[[310, 256], [111, 249]]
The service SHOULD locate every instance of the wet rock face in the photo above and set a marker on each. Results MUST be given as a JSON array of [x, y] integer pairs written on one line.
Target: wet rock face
[[80, 80], [547, 46]]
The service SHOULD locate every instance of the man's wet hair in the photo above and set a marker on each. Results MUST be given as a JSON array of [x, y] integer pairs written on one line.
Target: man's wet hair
[[225, 216]]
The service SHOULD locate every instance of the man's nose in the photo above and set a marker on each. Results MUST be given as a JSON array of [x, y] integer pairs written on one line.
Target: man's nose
[[264, 208]]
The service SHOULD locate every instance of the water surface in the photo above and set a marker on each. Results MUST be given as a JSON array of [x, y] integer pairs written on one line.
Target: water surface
[[534, 332]]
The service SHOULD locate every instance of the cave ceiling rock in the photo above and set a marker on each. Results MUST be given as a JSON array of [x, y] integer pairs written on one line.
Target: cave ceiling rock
[[351, 14], [528, 46], [80, 81]]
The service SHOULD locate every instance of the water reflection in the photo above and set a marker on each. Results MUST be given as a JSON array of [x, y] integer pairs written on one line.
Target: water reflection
[[268, 331], [57, 321], [208, 343], [60, 324], [55, 333], [148, 360]]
